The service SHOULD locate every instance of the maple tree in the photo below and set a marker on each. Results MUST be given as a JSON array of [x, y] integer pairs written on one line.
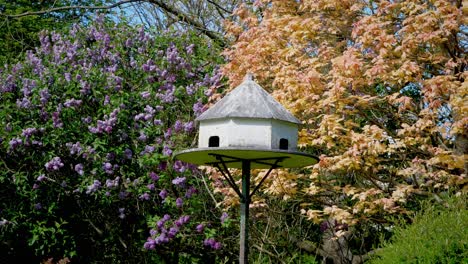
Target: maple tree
[[380, 87]]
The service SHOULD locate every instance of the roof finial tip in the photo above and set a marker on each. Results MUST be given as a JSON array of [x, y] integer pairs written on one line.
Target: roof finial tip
[[249, 77]]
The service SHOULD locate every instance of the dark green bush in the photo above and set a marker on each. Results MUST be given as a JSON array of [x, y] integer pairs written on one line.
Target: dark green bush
[[438, 234]]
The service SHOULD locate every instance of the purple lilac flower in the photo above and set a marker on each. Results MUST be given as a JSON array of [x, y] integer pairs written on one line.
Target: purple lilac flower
[[198, 107], [145, 95], [28, 132], [15, 142], [54, 164], [67, 76], [37, 143], [108, 168], [72, 103], [224, 217], [157, 122], [190, 89], [179, 181], [160, 223], [85, 87], [208, 92], [217, 245], [138, 117], [36, 62], [38, 206], [144, 197], [178, 126], [148, 66], [128, 153], [154, 176], [163, 194], [149, 149], [150, 244], [41, 178], [183, 220], [45, 95], [112, 68], [106, 125], [200, 228], [162, 239], [35, 186], [79, 169], [173, 232], [112, 183], [24, 103], [167, 151], [93, 187], [166, 217], [150, 110], [106, 100], [45, 43], [86, 120], [74, 148], [56, 120], [142, 137], [44, 114], [179, 202], [179, 166], [172, 55], [153, 232], [148, 117], [150, 186], [167, 96], [212, 243], [188, 127]]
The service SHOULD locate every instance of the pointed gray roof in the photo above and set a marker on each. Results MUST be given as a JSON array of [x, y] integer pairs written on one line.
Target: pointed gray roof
[[248, 100]]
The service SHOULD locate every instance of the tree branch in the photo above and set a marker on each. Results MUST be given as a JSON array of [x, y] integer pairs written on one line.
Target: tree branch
[[184, 18], [63, 8], [219, 6], [161, 4]]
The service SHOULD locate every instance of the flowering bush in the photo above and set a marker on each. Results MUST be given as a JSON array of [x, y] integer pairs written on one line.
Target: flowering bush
[[88, 125]]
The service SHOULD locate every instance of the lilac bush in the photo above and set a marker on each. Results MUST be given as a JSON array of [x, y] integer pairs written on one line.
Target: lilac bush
[[88, 126]]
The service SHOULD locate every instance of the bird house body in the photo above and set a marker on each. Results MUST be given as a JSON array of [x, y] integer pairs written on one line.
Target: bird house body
[[248, 132], [248, 117]]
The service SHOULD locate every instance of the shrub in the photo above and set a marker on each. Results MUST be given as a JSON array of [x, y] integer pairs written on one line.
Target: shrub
[[437, 235], [88, 124]]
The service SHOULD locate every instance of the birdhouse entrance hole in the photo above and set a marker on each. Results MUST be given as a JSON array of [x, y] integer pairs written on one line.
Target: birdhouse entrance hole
[[213, 141], [283, 144]]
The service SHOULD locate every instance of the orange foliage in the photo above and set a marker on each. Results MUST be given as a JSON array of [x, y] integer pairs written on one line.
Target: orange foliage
[[380, 87]]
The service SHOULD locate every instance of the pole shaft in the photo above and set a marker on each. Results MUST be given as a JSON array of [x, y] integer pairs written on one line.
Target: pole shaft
[[244, 207]]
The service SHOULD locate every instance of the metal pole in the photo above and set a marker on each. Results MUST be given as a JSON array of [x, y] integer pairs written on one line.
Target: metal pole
[[244, 207]]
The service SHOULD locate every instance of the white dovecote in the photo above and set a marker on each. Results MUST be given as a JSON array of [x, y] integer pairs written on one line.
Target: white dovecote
[[248, 117]]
